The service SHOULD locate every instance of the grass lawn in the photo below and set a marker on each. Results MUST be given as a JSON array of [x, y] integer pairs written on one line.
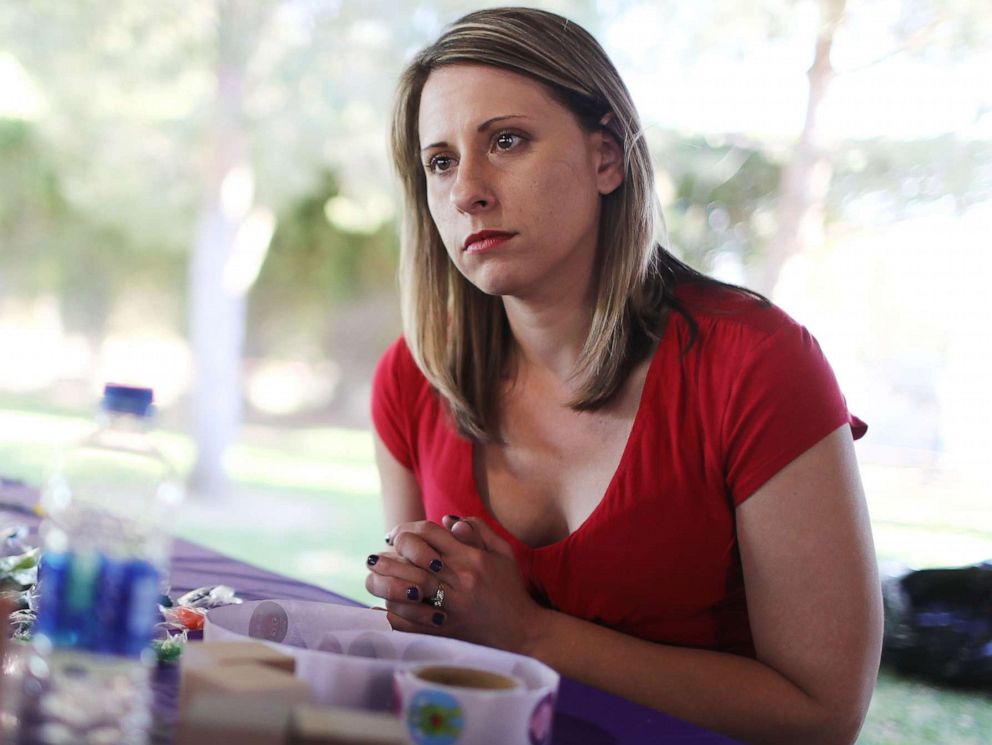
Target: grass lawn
[[911, 712], [306, 505]]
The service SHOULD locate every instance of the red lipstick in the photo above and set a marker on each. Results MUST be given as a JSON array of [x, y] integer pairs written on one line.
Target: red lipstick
[[485, 240]]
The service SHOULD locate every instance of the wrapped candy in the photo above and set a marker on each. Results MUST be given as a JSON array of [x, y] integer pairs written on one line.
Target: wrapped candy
[[181, 617], [21, 623], [13, 540], [19, 571], [170, 647], [189, 610], [208, 597]]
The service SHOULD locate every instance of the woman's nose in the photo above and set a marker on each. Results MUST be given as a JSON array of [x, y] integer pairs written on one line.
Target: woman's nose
[[472, 188]]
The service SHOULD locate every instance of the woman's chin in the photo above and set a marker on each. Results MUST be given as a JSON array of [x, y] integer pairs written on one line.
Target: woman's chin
[[496, 283]]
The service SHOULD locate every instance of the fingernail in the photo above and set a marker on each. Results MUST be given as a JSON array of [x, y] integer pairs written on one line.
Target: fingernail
[[453, 518], [438, 619], [372, 560], [389, 539], [436, 565], [413, 593]]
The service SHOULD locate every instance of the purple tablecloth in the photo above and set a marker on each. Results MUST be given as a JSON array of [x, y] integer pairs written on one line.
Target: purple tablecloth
[[585, 715]]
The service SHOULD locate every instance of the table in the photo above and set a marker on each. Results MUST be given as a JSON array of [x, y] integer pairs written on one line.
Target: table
[[585, 715]]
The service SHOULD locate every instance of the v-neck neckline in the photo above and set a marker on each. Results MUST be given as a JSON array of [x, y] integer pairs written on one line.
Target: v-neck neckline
[[608, 494]]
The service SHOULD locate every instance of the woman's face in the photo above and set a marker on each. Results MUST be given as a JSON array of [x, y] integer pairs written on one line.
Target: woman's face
[[513, 182]]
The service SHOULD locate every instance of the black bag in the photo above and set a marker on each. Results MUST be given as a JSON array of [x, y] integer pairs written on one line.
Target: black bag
[[938, 623]]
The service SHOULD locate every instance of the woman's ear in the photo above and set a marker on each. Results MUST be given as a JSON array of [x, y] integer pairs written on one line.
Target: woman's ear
[[610, 168]]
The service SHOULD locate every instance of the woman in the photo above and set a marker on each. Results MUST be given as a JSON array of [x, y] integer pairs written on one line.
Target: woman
[[590, 453]]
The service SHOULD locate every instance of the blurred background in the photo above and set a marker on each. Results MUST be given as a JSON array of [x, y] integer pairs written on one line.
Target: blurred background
[[197, 197]]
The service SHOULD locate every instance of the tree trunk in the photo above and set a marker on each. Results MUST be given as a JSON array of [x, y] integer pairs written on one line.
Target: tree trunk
[[806, 177], [216, 309]]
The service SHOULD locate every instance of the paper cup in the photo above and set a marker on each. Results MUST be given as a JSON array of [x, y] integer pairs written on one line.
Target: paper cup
[[457, 705]]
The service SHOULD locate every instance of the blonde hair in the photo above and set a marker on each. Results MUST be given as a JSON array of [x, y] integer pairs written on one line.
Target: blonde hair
[[459, 335]]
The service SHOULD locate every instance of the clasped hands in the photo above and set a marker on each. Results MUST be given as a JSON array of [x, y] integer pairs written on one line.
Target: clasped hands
[[485, 598]]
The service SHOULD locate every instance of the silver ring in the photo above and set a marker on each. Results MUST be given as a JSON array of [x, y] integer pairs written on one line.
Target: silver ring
[[438, 599]]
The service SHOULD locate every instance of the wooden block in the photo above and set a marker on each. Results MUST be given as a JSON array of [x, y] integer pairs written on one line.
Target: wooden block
[[321, 725], [211, 719], [249, 682], [200, 654]]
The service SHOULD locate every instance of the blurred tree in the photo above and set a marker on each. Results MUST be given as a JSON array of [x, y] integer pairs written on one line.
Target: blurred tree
[[49, 246], [793, 213], [923, 28], [805, 179], [314, 261], [721, 194], [174, 126], [231, 240], [174, 133]]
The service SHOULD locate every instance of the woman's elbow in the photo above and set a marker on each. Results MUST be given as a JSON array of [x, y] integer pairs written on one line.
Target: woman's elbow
[[846, 727], [846, 704], [842, 717]]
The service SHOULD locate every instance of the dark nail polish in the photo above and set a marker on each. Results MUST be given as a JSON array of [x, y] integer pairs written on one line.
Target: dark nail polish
[[388, 540], [413, 593], [438, 619], [372, 560], [436, 565], [453, 517]]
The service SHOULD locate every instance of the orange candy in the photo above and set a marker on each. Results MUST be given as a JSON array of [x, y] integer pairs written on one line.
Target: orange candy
[[191, 618]]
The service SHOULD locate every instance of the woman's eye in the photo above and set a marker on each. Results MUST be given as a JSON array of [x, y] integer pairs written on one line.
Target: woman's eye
[[439, 164], [506, 140]]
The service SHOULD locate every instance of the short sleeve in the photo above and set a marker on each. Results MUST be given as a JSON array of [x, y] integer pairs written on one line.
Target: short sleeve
[[390, 416], [783, 399]]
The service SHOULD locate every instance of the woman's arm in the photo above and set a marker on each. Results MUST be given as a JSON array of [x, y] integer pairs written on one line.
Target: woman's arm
[[813, 600], [815, 609], [401, 500]]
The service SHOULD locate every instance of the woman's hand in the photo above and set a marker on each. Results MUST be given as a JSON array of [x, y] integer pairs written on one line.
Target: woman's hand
[[485, 598]]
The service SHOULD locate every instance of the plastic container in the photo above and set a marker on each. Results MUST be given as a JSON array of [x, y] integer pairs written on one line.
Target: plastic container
[[105, 551]]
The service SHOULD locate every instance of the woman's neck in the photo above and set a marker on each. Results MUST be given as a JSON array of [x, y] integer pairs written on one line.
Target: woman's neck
[[550, 336]]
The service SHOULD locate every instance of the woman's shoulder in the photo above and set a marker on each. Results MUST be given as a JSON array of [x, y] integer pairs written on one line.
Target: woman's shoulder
[[398, 360], [401, 400], [397, 367], [731, 313]]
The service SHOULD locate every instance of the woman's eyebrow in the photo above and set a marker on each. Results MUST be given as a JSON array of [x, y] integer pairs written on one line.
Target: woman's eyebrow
[[481, 128]]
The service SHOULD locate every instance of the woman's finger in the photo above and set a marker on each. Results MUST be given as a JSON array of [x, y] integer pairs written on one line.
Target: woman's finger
[[463, 531], [436, 535], [422, 619], [422, 549], [393, 565], [394, 578], [475, 532], [395, 589]]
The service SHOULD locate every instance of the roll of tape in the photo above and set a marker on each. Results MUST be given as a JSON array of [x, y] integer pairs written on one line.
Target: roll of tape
[[458, 705], [349, 657]]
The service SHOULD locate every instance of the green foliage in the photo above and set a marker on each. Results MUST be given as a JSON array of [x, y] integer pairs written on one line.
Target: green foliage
[[29, 182], [99, 198], [32, 203], [723, 191], [723, 194], [50, 246], [720, 198], [905, 175], [313, 265]]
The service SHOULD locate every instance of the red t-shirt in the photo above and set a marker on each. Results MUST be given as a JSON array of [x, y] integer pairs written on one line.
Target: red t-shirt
[[658, 557]]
